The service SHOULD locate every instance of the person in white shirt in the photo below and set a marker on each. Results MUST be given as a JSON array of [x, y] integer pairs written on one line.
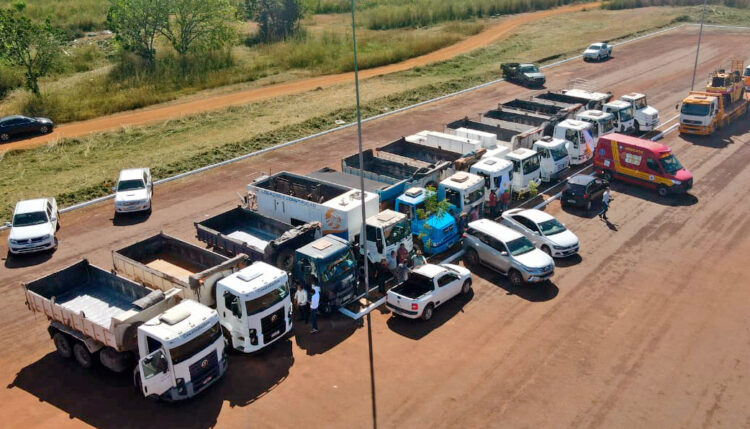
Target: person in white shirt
[[300, 301], [314, 303], [605, 204]]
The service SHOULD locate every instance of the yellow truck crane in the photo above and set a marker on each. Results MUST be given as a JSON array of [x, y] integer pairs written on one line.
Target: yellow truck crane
[[723, 101]]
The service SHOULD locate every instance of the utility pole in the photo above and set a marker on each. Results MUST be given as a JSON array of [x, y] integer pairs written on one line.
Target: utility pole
[[698, 49]]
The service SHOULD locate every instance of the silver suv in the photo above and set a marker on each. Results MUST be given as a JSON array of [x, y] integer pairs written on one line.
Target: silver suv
[[507, 251]]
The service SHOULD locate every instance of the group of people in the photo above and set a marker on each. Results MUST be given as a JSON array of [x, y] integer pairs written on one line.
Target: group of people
[[307, 306], [498, 205], [397, 266]]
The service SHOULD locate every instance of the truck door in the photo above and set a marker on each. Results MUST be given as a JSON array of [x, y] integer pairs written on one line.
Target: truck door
[[154, 372], [230, 310]]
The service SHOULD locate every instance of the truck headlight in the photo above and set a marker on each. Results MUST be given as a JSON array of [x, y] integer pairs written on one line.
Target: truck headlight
[[180, 382]]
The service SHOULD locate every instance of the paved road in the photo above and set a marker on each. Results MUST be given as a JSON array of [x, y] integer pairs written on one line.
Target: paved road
[[647, 329]]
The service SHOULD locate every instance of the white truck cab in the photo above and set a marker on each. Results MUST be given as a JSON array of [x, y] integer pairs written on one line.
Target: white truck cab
[[623, 115], [34, 225], [385, 233], [579, 140], [525, 169], [596, 99], [646, 117], [183, 343], [553, 158], [255, 306], [133, 191], [464, 191], [602, 123], [497, 174]]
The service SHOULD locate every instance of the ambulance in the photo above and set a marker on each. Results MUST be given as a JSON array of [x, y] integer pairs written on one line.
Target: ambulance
[[641, 162]]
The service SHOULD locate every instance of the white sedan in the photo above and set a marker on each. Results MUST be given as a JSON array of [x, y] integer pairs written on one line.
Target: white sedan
[[542, 229]]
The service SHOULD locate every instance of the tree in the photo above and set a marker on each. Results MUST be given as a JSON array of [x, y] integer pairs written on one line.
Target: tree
[[137, 23], [199, 25], [277, 19], [34, 47]]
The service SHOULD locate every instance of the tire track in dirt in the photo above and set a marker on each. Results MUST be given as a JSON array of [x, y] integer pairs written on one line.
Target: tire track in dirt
[[176, 109]]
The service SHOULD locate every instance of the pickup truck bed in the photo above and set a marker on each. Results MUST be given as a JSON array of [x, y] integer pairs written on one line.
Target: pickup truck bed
[[411, 290]]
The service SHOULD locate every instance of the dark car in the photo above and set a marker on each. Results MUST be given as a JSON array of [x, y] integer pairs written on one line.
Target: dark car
[[582, 190], [17, 125]]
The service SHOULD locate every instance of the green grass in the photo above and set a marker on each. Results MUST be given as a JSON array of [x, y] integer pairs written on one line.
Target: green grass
[[76, 17], [79, 169], [630, 4]]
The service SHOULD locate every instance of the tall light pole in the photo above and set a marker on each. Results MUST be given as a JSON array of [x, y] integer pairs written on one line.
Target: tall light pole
[[698, 49], [363, 232]]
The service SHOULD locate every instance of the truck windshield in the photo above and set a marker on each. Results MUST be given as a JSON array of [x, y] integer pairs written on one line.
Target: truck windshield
[[474, 196], [595, 47], [551, 227], [747, 72], [519, 246], [397, 232], [130, 185], [337, 268], [670, 164], [263, 302], [694, 109], [558, 153], [626, 114], [185, 351], [572, 136], [453, 197], [531, 165], [641, 103], [606, 125], [528, 69], [28, 219]]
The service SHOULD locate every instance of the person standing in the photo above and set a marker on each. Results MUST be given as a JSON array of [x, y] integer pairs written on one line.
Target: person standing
[[493, 204], [314, 303], [474, 213], [393, 263], [504, 201], [300, 301], [403, 254], [418, 259], [403, 272], [605, 204]]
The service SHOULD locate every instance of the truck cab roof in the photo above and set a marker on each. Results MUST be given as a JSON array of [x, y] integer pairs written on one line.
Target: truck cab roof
[[575, 124], [385, 219], [324, 247], [699, 99], [521, 154], [549, 143], [171, 326], [414, 196], [254, 281], [617, 104], [595, 115], [462, 181], [591, 95], [132, 174], [632, 96], [491, 165], [31, 206]]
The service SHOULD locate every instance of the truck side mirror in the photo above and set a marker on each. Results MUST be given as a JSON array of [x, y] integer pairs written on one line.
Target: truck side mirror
[[8, 224]]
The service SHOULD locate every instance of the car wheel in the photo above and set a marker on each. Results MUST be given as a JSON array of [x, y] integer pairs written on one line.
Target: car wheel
[[62, 344], [44, 129], [516, 279], [662, 191], [588, 205], [466, 287], [546, 250], [472, 257], [427, 313], [82, 355], [4, 137], [607, 175]]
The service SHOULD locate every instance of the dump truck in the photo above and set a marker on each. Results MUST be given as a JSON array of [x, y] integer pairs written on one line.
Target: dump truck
[[545, 122], [524, 74], [254, 306], [243, 231], [588, 99], [175, 345], [724, 100], [404, 148], [546, 107], [508, 135], [646, 118]]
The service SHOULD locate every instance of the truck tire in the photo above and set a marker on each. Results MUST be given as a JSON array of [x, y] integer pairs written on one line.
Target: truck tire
[[285, 260], [82, 355], [466, 287], [637, 127], [472, 257], [662, 191], [427, 312], [62, 344], [516, 279]]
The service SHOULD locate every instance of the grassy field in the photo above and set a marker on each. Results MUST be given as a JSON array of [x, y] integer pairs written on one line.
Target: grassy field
[[74, 16], [79, 169]]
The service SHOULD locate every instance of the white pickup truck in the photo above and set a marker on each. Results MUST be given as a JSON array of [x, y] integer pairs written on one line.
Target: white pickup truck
[[427, 287]]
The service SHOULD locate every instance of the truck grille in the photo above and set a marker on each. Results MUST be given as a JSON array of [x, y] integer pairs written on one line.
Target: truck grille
[[204, 370], [273, 325], [691, 122]]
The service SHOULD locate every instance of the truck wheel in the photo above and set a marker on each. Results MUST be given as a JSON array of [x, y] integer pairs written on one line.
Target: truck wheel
[[516, 279], [472, 257], [662, 191], [466, 287], [82, 355], [63, 345], [427, 312], [637, 127], [285, 260]]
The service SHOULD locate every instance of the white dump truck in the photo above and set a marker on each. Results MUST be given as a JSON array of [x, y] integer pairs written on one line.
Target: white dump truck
[[602, 123], [553, 158], [253, 302], [175, 345], [297, 200], [526, 169], [623, 115], [445, 141], [579, 140], [465, 192], [496, 172], [646, 117]]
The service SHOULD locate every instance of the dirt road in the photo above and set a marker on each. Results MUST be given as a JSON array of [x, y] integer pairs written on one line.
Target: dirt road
[[214, 102], [648, 328]]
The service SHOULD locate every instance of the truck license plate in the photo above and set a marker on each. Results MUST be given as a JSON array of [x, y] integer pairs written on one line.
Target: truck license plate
[[572, 201], [207, 380], [276, 333]]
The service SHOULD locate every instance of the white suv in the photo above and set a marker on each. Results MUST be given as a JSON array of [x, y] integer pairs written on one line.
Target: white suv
[[542, 229], [133, 191], [34, 225], [507, 251]]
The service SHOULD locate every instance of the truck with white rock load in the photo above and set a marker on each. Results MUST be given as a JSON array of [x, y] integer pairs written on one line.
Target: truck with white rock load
[[162, 262], [243, 231], [175, 345], [507, 134], [417, 147]]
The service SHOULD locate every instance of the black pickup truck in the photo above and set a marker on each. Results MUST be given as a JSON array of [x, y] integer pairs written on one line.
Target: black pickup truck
[[524, 74]]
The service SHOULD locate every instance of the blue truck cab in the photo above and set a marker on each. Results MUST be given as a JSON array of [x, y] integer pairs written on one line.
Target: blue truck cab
[[436, 233], [331, 260]]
